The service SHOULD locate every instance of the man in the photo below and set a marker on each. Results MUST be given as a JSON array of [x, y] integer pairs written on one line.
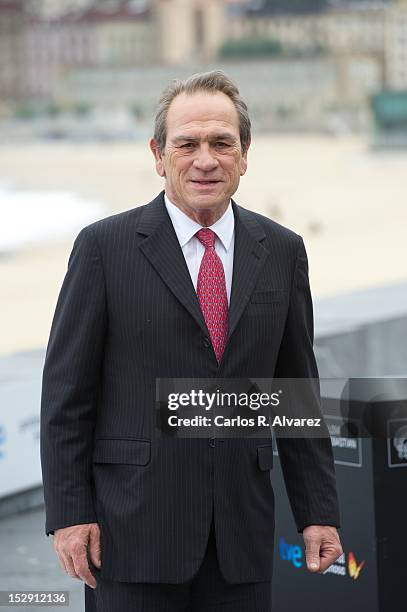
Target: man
[[190, 285]]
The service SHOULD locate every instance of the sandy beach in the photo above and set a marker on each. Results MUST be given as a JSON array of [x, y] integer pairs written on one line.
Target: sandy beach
[[347, 202]]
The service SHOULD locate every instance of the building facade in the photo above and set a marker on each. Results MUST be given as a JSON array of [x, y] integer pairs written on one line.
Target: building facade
[[365, 42], [13, 18], [396, 46]]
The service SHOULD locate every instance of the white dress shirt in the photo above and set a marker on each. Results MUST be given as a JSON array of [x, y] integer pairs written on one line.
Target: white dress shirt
[[193, 250]]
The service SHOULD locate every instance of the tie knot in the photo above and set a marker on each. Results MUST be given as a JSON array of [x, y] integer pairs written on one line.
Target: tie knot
[[207, 237]]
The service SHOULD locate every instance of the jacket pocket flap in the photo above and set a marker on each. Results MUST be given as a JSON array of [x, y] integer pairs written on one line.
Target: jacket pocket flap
[[265, 457], [121, 450], [264, 297]]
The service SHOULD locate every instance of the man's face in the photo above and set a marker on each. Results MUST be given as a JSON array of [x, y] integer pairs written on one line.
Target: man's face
[[203, 161]]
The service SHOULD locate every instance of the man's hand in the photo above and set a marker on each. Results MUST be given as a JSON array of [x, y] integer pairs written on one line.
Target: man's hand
[[70, 544], [322, 547]]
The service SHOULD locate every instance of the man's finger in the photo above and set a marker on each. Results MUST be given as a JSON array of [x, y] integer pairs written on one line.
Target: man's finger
[[312, 555], [62, 563], [329, 556], [60, 557], [94, 547], [81, 566], [69, 566]]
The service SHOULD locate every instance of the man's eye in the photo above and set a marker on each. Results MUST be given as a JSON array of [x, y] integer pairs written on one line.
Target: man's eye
[[222, 145], [187, 145]]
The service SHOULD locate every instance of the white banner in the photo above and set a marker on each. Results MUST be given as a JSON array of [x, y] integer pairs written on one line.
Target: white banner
[[20, 395]]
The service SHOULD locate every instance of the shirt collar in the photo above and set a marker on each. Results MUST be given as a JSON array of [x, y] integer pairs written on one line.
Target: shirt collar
[[186, 228]]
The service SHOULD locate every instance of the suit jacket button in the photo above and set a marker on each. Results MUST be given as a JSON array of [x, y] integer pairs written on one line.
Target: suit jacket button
[[207, 342]]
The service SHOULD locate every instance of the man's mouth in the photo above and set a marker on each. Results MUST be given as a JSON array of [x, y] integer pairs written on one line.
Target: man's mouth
[[205, 182]]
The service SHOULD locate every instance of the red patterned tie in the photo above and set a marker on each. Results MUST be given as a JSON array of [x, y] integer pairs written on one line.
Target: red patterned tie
[[211, 290]]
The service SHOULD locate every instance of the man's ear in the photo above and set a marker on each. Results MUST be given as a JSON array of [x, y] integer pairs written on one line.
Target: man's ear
[[159, 166], [243, 163]]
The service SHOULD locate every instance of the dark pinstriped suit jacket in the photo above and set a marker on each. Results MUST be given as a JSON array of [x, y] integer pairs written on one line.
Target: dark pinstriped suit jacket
[[127, 314]]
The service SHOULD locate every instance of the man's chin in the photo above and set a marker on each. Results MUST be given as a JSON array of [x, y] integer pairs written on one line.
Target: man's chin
[[207, 198]]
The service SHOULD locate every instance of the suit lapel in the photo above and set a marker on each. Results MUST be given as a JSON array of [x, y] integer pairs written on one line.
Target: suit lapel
[[249, 258], [162, 249]]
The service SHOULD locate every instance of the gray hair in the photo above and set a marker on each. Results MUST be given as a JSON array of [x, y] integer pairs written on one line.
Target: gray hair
[[205, 81]]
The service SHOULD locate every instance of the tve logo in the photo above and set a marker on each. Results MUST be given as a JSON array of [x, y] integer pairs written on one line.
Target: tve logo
[[354, 568], [290, 552]]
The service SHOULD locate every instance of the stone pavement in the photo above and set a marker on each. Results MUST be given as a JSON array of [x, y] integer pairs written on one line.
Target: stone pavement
[[28, 562]]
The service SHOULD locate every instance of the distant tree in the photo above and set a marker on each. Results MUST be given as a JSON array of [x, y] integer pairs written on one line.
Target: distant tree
[[250, 48], [82, 109], [26, 111], [137, 110], [259, 47], [295, 6], [53, 109]]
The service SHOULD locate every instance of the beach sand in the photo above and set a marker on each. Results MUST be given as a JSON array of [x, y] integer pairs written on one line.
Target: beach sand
[[347, 202]]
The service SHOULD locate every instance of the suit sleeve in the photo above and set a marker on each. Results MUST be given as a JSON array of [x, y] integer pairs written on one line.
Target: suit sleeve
[[70, 385], [307, 463]]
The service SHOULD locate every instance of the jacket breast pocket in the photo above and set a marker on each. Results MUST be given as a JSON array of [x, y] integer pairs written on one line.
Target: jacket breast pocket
[[127, 451], [265, 457]]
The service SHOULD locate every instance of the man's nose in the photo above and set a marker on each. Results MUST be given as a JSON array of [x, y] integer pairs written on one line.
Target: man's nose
[[204, 159]]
